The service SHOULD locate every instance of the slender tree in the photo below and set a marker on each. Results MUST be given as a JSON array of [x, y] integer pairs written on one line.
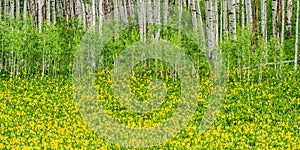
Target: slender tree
[[225, 19], [71, 7], [58, 7], [264, 28], [48, 11], [140, 19], [289, 16], [101, 15], [144, 12], [88, 10], [5, 7], [166, 7], [209, 24], [216, 20], [83, 14], [237, 7], [131, 8], [121, 11], [232, 18], [149, 12], [264, 34], [180, 16], [17, 10], [25, 11], [194, 18], [221, 20], [249, 14], [93, 13], [274, 17], [124, 11], [282, 35], [39, 13], [12, 9], [199, 16], [297, 37], [157, 18], [116, 11], [243, 14], [0, 14], [255, 19], [53, 11]]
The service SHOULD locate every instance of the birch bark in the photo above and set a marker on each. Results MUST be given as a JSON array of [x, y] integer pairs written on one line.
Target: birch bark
[[297, 37], [289, 11], [232, 18]]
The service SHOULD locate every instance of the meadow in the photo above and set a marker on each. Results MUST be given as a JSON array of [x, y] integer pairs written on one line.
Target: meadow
[[40, 112]]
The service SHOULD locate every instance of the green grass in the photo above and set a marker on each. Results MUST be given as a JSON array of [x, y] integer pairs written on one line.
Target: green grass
[[40, 112]]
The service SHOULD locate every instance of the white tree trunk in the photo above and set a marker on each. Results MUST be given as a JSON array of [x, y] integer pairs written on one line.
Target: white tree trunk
[[83, 15], [297, 37], [157, 18], [140, 19], [58, 6], [17, 10], [249, 14], [88, 15], [225, 20], [93, 14], [221, 20], [237, 9], [144, 20], [282, 36], [78, 9], [194, 18], [71, 8], [209, 23], [243, 14], [125, 12], [180, 16], [48, 11], [289, 4], [274, 17], [40, 5], [120, 10], [232, 18], [66, 9], [5, 7], [12, 9], [264, 34], [216, 21], [24, 11], [263, 17], [53, 11], [166, 7], [199, 17], [264, 28], [101, 15], [149, 12], [116, 10]]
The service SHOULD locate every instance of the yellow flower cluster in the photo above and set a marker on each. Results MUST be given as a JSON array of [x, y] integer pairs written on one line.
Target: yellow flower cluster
[[40, 112]]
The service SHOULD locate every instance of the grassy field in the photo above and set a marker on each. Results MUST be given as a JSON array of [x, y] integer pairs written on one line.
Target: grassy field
[[40, 112]]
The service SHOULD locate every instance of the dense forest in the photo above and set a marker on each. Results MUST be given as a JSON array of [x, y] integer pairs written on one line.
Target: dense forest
[[42, 35]]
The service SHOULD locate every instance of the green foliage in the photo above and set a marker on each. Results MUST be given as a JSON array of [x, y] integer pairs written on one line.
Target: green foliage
[[30, 49]]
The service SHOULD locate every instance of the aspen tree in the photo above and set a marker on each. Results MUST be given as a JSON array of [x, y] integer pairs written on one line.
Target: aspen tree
[[289, 11], [297, 37]]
